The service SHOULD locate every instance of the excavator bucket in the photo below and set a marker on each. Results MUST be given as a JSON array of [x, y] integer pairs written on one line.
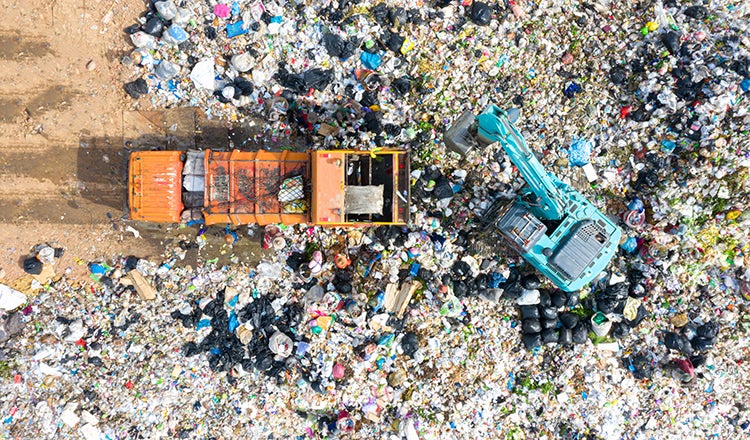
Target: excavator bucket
[[460, 136]]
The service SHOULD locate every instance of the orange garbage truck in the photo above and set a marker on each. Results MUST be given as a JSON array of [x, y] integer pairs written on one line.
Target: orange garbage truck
[[319, 187]]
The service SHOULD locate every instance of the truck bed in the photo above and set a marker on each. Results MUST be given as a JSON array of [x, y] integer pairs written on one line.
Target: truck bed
[[242, 187]]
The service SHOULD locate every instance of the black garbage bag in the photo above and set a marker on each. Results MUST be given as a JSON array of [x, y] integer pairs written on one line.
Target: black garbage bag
[[443, 189], [708, 330], [531, 340], [531, 326], [394, 42], [697, 12], [481, 282], [529, 312], [566, 336], [136, 88], [402, 85], [373, 123], [338, 47], [671, 41], [512, 290], [398, 16], [549, 323], [460, 289], [32, 266], [697, 360], [678, 342], [569, 320], [700, 343], [210, 32], [380, 13], [550, 336], [461, 269], [190, 349], [244, 86], [318, 79], [558, 299], [580, 333], [153, 26], [620, 330], [295, 260], [573, 299], [531, 282], [549, 313], [133, 28], [481, 13], [618, 75], [292, 81], [545, 300], [369, 99], [410, 344], [613, 298]]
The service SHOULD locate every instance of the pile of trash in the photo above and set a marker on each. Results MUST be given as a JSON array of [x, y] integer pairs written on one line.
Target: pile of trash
[[432, 330]]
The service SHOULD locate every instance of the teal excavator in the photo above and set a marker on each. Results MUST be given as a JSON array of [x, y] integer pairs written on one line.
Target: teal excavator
[[550, 224]]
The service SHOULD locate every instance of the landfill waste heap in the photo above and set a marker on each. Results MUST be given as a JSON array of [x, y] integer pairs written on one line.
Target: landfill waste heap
[[426, 330]]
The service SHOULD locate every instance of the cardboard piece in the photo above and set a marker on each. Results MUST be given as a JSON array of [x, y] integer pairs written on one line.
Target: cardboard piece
[[396, 300], [145, 291]]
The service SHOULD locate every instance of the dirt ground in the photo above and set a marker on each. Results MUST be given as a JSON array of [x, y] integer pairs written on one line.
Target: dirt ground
[[66, 127]]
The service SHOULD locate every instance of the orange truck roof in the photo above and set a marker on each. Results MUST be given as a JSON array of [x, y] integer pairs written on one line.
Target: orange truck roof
[[155, 186]]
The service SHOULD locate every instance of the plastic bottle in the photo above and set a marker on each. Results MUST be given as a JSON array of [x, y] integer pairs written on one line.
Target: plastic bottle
[[166, 9], [142, 39], [166, 70]]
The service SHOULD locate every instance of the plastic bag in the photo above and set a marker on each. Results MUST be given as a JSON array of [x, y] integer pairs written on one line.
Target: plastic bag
[[10, 298], [338, 47], [295, 207], [203, 74], [318, 79], [580, 152], [292, 189], [481, 14]]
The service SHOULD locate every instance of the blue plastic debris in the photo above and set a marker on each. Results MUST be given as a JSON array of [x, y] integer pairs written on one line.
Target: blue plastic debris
[[745, 85], [203, 323], [370, 60], [414, 269], [668, 146], [97, 269], [236, 29], [379, 301], [571, 90], [233, 322], [495, 280], [580, 152], [630, 245], [302, 348]]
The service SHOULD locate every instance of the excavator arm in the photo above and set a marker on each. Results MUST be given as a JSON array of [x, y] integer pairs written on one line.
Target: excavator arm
[[560, 232], [494, 126]]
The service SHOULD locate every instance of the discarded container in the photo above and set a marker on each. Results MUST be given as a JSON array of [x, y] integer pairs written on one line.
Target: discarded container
[[600, 324]]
